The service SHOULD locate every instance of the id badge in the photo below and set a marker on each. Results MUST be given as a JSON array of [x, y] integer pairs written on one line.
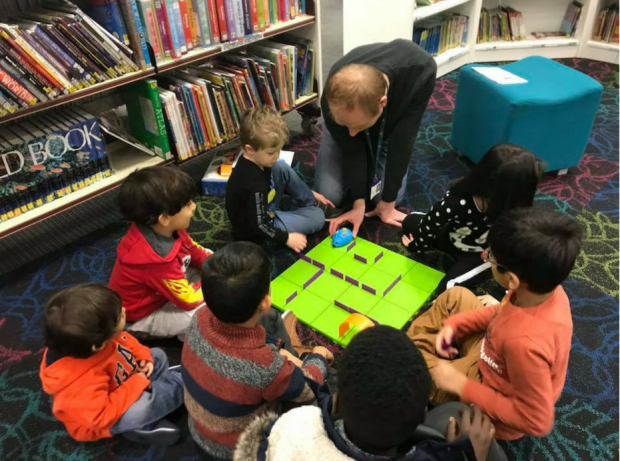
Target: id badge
[[375, 188]]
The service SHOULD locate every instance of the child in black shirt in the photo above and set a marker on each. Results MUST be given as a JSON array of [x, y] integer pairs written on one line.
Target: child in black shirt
[[258, 182]]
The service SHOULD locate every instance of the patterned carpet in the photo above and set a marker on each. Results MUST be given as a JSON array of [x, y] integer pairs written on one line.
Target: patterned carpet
[[587, 413]]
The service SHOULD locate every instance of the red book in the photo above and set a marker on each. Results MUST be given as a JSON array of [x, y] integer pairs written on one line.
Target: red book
[[215, 28], [221, 16], [283, 10], [16, 89], [254, 12], [167, 25], [187, 30]]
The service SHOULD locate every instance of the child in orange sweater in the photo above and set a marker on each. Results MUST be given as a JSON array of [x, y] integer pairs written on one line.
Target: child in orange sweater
[[508, 358], [102, 380]]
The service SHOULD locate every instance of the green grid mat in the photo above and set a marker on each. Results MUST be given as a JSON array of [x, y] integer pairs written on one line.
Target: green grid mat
[[325, 303]]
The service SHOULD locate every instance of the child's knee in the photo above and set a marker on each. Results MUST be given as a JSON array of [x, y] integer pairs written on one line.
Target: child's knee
[[317, 219], [159, 357]]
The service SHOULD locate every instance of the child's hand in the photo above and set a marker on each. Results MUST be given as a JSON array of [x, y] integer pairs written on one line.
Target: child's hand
[[447, 378], [296, 242], [487, 300], [407, 239], [478, 427], [290, 357], [325, 353], [443, 343], [322, 199], [145, 367]]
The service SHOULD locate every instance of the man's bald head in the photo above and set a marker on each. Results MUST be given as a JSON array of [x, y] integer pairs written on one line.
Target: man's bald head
[[356, 86]]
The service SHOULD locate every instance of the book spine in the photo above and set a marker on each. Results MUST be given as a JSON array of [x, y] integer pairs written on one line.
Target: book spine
[[117, 18], [55, 63], [162, 28], [292, 9], [145, 9], [208, 36], [172, 27], [13, 57], [161, 122], [260, 8], [222, 21], [238, 12], [194, 24], [97, 72], [43, 35], [96, 47], [22, 80], [231, 23], [283, 10], [16, 89], [178, 22], [254, 15], [142, 40], [187, 32], [213, 22], [247, 17], [267, 12], [132, 31]]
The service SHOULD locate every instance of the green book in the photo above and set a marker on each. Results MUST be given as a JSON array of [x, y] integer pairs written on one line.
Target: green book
[[146, 117]]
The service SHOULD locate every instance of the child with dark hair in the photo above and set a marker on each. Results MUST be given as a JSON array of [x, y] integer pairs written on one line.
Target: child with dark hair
[[258, 183], [379, 412], [102, 381], [152, 273], [233, 366], [458, 224], [509, 357]]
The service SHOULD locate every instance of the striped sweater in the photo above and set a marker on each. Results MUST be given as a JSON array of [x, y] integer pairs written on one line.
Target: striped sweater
[[231, 376]]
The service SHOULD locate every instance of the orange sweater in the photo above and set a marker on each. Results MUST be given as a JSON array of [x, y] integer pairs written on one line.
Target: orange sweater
[[523, 361], [90, 395]]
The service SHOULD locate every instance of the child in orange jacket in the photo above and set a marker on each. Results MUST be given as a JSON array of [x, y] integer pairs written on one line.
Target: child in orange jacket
[[102, 380]]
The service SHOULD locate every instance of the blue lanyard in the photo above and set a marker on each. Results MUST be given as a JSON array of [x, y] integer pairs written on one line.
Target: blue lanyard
[[379, 142]]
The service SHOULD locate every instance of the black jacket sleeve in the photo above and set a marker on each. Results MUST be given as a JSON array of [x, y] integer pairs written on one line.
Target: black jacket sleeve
[[259, 221]]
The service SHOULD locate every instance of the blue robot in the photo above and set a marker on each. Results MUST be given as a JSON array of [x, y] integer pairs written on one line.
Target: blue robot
[[342, 237]]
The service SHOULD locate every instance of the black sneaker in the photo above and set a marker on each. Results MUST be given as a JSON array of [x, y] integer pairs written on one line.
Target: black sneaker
[[330, 212], [163, 434]]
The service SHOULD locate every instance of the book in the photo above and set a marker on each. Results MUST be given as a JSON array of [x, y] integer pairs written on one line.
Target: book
[[147, 17], [162, 29], [108, 14], [569, 23]]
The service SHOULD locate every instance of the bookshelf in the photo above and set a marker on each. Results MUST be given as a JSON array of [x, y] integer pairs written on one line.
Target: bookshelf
[[124, 158], [369, 22]]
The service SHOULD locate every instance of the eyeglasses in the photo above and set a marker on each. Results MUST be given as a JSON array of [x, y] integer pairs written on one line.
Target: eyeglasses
[[487, 257]]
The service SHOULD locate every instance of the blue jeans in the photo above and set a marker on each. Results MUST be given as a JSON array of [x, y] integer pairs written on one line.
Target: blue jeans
[[329, 174], [303, 217], [164, 396]]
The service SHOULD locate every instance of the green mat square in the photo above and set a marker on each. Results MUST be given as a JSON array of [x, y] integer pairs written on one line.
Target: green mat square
[[300, 272], [328, 287], [387, 313], [329, 322], [423, 277], [377, 279], [394, 264], [367, 250], [358, 299], [281, 290], [325, 255], [307, 306], [407, 297], [351, 267], [346, 339]]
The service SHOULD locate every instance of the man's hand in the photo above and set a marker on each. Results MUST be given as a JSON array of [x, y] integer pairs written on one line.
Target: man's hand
[[479, 429], [447, 378], [296, 242], [145, 367], [322, 199], [407, 239], [355, 216], [325, 353], [443, 343], [487, 300], [290, 357], [388, 213]]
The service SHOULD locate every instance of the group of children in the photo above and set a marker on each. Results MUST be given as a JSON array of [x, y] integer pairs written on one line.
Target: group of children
[[246, 388]]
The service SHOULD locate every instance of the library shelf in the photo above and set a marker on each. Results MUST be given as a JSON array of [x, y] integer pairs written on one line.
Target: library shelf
[[532, 43], [124, 159], [451, 54], [97, 88], [423, 12], [603, 45], [199, 55], [298, 104]]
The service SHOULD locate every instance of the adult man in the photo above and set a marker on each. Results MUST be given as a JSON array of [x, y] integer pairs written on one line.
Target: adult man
[[372, 105]]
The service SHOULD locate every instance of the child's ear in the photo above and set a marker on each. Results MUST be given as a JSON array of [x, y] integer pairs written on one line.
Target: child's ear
[[265, 303], [163, 220], [248, 149], [513, 281], [383, 101], [101, 346]]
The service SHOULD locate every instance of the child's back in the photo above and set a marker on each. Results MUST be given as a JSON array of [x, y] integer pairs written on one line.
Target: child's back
[[231, 374]]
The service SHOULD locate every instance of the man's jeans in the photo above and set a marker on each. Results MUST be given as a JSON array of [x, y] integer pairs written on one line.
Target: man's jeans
[[164, 396], [303, 217], [329, 174]]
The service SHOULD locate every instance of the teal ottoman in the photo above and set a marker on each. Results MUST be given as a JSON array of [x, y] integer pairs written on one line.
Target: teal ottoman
[[551, 115]]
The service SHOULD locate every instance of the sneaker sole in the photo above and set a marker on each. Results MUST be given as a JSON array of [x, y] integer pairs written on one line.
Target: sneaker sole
[[160, 437]]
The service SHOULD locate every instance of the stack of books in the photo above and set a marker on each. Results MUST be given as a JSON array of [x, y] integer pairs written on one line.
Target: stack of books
[[54, 50], [571, 17], [175, 27], [47, 157], [606, 26], [501, 24], [441, 33], [198, 108]]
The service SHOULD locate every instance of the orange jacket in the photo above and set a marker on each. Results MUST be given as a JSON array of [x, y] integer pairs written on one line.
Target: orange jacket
[[90, 395]]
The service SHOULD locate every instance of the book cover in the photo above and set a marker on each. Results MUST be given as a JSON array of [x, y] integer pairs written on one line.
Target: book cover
[[146, 116], [132, 31], [172, 27], [208, 38], [254, 15], [247, 17], [178, 22], [222, 21], [162, 28], [214, 23], [187, 31], [238, 13], [231, 22], [147, 17], [108, 14]]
